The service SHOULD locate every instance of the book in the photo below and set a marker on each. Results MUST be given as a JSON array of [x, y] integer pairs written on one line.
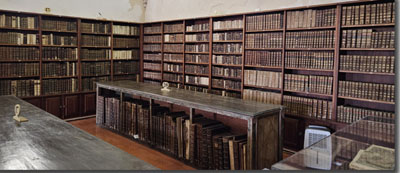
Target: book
[[375, 157]]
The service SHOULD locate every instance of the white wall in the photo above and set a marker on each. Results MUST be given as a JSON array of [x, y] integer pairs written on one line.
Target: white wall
[[124, 10], [155, 10], [158, 10]]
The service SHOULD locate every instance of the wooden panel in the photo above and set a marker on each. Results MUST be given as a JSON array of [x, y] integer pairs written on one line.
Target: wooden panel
[[267, 142], [89, 101], [35, 101], [53, 105], [71, 106], [292, 133]]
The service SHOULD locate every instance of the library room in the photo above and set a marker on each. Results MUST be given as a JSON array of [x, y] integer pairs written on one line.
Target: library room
[[198, 85]]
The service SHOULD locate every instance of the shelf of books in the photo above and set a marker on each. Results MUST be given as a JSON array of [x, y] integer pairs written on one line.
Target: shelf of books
[[173, 53], [329, 64], [197, 55], [96, 44], [227, 55], [152, 53], [125, 51], [53, 61]]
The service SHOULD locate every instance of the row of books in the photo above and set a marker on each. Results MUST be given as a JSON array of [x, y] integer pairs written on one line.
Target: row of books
[[62, 40], [89, 83], [196, 88], [58, 25], [302, 106], [87, 27], [222, 36], [363, 63], [227, 84], [152, 47], [125, 54], [227, 59], [264, 22], [57, 86], [125, 42], [152, 38], [196, 69], [366, 90], [173, 48], [349, 114], [311, 18], [132, 77], [173, 57], [309, 83], [225, 93], [128, 67], [194, 58], [11, 21], [198, 26], [95, 40], [196, 48], [95, 54], [152, 57], [173, 67], [197, 37], [95, 68], [59, 69], [205, 143], [19, 69], [125, 30], [310, 59], [176, 27], [365, 14], [262, 96], [20, 88], [60, 53], [152, 75], [263, 78], [228, 48], [173, 77], [173, 37], [311, 39], [228, 24], [263, 58], [224, 71], [196, 80], [152, 29], [19, 53], [18, 38], [153, 82], [264, 40], [367, 38], [152, 66]]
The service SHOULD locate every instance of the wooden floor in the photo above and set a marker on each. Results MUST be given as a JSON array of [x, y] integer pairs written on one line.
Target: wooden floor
[[140, 151]]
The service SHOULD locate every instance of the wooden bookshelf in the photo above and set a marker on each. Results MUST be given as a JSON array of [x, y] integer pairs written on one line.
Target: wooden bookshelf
[[66, 103], [279, 22]]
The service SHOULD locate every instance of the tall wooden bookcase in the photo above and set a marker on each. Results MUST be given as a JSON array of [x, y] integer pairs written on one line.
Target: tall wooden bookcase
[[288, 28], [62, 79]]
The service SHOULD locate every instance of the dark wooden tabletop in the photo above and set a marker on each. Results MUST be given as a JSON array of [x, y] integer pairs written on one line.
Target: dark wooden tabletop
[[48, 143], [229, 106]]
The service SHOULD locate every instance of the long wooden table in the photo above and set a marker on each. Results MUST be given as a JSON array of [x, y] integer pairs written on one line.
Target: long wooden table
[[48, 143], [264, 121]]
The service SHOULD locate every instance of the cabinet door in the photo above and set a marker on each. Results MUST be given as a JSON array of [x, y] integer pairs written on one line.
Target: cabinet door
[[89, 104], [71, 103], [35, 101], [294, 132], [54, 106]]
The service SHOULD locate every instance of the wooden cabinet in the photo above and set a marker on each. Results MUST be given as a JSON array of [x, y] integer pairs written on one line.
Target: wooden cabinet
[[54, 106], [293, 133], [35, 101], [89, 104], [71, 106]]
